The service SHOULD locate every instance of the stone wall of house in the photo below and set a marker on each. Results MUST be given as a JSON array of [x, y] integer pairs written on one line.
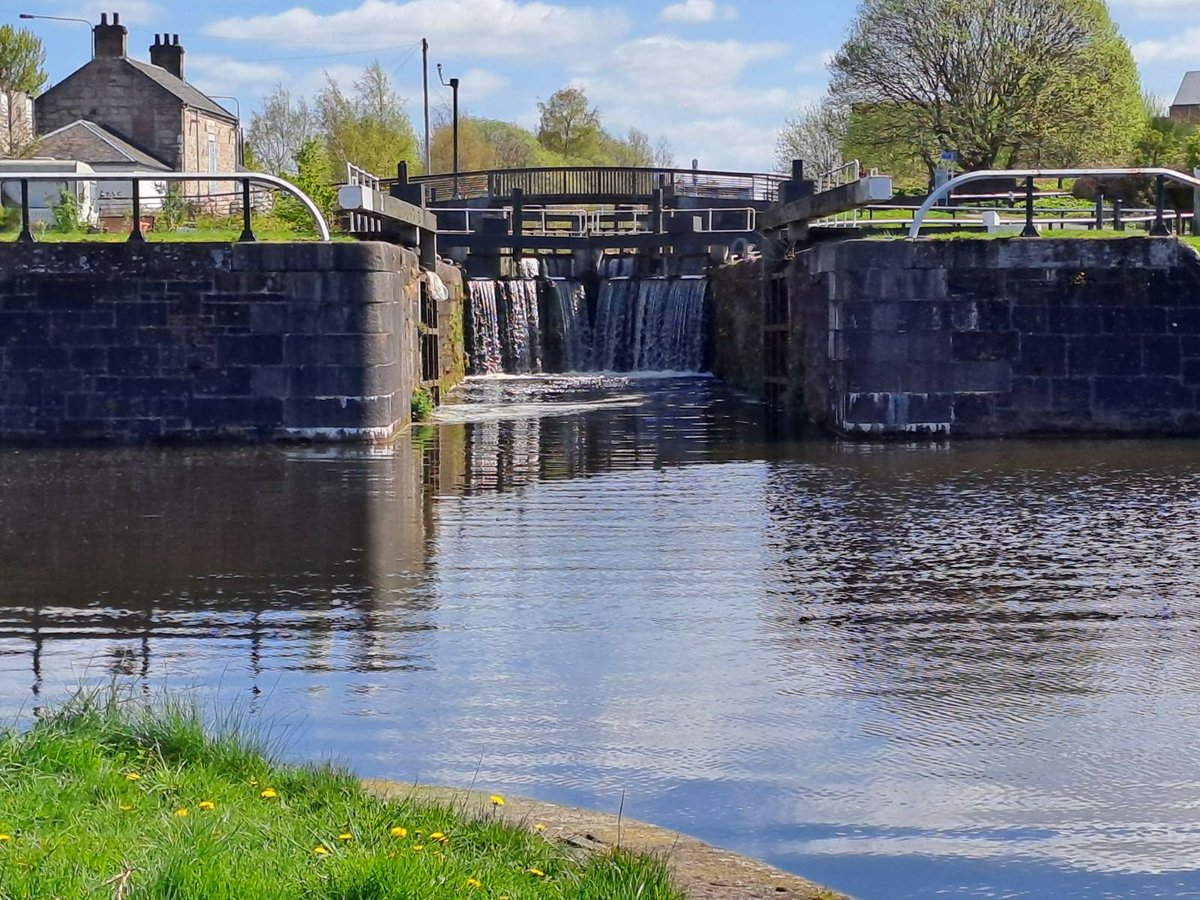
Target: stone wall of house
[[112, 93], [194, 342], [218, 196]]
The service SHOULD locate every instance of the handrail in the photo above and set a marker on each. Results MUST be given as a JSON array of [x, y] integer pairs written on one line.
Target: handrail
[[136, 178], [1030, 174]]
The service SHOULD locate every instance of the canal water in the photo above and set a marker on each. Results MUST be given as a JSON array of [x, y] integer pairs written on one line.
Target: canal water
[[965, 670]]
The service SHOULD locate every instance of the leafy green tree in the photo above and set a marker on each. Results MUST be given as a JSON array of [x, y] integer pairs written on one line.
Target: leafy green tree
[[816, 134], [475, 152], [1024, 82], [569, 125], [369, 128], [312, 176], [1192, 149], [22, 76]]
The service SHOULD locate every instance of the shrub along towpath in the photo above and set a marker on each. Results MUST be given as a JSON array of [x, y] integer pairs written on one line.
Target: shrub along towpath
[[700, 871]]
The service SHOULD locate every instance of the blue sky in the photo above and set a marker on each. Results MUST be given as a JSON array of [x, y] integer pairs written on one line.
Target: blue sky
[[715, 78]]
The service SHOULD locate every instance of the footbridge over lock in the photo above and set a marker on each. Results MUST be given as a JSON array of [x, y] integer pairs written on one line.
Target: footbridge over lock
[[657, 214]]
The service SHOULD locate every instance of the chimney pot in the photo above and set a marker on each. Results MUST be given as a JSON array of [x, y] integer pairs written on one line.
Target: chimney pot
[[110, 40], [103, 18], [167, 53]]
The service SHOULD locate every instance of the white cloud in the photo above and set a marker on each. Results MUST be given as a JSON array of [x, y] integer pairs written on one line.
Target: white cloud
[[246, 81], [817, 64], [1182, 46], [131, 12], [698, 11], [1160, 8], [511, 29], [480, 83]]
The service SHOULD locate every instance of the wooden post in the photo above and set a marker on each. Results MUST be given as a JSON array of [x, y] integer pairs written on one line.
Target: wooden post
[[518, 221]]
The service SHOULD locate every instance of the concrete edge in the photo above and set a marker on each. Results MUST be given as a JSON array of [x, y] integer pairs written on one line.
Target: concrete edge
[[701, 871]]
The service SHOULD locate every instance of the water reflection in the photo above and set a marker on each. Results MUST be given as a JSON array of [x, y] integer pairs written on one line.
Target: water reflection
[[902, 670]]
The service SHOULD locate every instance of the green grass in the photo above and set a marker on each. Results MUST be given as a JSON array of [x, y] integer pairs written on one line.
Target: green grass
[[1194, 241], [206, 229], [109, 798]]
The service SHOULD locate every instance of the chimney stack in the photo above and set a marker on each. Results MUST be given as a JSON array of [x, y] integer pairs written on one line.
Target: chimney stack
[[110, 41], [167, 53]]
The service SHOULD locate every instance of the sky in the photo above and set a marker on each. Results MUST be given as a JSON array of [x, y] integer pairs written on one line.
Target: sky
[[716, 79]]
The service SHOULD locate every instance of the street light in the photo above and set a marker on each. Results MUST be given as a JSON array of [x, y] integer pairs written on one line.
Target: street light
[[453, 85], [237, 111], [61, 19]]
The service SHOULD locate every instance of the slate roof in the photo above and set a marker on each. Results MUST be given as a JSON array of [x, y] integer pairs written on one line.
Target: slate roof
[[1189, 91], [91, 143], [181, 89]]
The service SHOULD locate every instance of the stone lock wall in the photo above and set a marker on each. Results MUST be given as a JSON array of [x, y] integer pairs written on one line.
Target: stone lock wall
[[133, 343], [1006, 337]]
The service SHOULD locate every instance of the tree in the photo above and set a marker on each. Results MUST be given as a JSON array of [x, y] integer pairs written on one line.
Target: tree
[[1037, 82], [475, 153], [22, 76], [569, 126], [664, 154], [370, 128], [312, 176], [278, 131], [816, 134]]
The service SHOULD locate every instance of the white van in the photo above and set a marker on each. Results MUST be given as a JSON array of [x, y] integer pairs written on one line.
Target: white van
[[44, 195]]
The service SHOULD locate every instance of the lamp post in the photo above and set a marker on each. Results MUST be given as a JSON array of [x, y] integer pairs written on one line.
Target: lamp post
[[453, 85], [60, 19], [237, 111]]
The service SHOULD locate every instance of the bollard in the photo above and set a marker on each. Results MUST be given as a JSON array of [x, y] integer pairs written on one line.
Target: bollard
[[1118, 225], [1099, 212]]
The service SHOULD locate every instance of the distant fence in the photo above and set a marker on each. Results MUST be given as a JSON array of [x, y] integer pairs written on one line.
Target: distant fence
[[601, 183]]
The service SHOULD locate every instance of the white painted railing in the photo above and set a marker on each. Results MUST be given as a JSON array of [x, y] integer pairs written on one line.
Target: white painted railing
[[24, 179]]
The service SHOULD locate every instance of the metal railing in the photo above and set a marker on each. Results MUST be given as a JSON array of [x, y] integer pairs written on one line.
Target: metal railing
[[847, 173], [24, 179], [1161, 176], [602, 181], [1116, 215], [358, 222], [577, 222]]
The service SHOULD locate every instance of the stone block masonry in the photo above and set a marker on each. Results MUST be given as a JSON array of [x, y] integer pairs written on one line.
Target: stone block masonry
[[979, 338], [196, 342]]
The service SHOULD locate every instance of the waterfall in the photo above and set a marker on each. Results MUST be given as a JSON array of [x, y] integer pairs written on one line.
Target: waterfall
[[650, 324], [574, 329], [655, 324], [483, 337]]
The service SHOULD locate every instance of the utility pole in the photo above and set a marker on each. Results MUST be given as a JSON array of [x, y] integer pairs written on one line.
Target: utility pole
[[453, 85], [425, 80]]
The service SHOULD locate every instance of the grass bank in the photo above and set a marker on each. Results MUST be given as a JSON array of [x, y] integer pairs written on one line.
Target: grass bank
[[109, 798]]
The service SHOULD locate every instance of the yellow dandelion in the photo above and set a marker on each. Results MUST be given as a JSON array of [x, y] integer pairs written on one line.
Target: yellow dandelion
[[268, 794], [534, 870], [474, 883], [497, 800], [439, 837], [320, 851], [181, 813], [132, 776], [207, 804], [125, 807], [345, 836], [399, 832], [417, 848], [5, 838], [539, 827]]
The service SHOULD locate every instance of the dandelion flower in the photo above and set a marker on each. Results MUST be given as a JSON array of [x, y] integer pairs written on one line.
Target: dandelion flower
[[181, 813], [439, 837], [268, 794], [5, 838], [345, 836], [207, 804], [534, 870], [539, 827], [417, 848], [132, 776], [399, 832], [474, 883], [125, 807], [497, 800], [320, 851]]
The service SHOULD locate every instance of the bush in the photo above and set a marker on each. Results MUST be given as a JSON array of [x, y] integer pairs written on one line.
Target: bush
[[422, 404], [65, 214]]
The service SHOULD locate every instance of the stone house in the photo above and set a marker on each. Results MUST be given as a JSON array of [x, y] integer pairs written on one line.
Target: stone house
[[16, 123], [144, 110], [1186, 107]]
